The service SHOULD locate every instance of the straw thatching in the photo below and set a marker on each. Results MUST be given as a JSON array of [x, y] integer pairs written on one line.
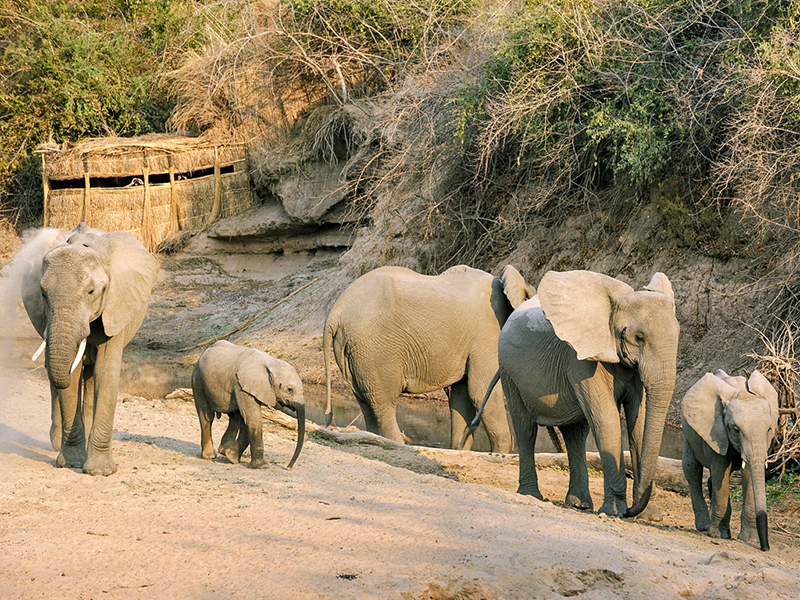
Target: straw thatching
[[152, 186]]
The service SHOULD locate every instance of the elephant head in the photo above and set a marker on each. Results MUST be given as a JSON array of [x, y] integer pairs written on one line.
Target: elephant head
[[605, 320], [273, 382], [733, 411], [89, 283]]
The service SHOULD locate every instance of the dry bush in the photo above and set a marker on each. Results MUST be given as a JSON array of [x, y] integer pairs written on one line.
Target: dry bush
[[779, 365], [760, 160]]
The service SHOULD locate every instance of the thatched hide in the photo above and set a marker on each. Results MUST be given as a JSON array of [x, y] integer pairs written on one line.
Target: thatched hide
[[152, 186]]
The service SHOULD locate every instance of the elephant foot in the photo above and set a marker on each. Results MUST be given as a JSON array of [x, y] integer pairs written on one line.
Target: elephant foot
[[575, 502], [530, 491], [748, 535], [231, 453], [100, 464], [72, 457], [613, 508], [257, 463], [719, 532], [702, 524]]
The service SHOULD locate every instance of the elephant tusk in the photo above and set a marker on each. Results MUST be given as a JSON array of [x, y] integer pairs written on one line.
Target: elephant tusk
[[39, 351], [79, 356]]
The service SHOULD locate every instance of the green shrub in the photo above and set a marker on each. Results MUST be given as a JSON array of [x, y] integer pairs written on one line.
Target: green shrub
[[81, 69]]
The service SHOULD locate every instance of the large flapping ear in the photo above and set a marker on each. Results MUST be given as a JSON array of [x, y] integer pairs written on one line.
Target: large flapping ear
[[660, 283], [255, 378], [703, 409], [514, 286], [579, 306], [760, 386], [132, 273], [28, 262]]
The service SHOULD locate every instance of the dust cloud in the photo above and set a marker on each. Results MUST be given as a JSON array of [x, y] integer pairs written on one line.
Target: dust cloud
[[15, 327]]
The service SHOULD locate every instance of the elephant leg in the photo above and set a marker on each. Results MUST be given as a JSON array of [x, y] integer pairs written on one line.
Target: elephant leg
[[251, 414], [461, 412], [575, 436], [720, 500], [87, 396], [206, 418], [748, 531], [380, 411], [604, 422], [495, 415], [56, 427], [634, 421], [229, 445], [693, 471], [73, 435], [525, 429], [99, 459]]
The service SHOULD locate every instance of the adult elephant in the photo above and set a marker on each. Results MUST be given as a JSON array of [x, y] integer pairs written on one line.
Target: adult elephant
[[571, 357], [86, 292], [394, 330]]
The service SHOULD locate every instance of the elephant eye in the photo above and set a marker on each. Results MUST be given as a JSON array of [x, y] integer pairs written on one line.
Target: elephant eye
[[639, 338], [735, 429]]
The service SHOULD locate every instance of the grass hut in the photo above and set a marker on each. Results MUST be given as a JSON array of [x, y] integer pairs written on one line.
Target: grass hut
[[152, 186]]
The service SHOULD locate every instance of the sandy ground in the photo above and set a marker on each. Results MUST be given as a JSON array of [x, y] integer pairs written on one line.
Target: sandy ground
[[346, 522], [349, 521]]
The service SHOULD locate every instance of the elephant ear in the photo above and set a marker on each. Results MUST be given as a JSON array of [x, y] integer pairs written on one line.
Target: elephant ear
[[514, 286], [29, 262], [132, 273], [760, 386], [579, 306], [703, 409], [255, 378], [660, 283]]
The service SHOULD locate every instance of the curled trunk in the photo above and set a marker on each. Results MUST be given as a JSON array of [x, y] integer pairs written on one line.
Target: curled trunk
[[658, 389], [300, 410]]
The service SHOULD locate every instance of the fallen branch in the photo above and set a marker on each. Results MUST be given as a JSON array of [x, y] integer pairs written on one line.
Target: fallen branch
[[669, 472]]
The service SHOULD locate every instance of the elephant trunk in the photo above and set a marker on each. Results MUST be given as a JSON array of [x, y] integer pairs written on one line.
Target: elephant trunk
[[63, 342], [300, 410], [756, 460], [659, 387]]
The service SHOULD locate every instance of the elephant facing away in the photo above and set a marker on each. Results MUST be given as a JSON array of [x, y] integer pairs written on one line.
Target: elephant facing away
[[237, 381], [86, 292], [394, 330], [728, 424], [573, 356]]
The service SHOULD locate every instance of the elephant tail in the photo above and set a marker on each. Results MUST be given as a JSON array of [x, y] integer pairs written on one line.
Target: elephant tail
[[475, 423], [327, 353]]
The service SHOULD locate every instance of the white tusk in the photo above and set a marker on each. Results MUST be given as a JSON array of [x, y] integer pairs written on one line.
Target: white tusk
[[38, 352], [79, 356]]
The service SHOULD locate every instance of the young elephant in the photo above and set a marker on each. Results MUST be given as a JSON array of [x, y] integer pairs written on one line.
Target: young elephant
[[728, 424], [235, 380]]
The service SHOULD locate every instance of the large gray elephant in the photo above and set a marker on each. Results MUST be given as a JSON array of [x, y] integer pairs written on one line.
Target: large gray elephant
[[394, 330], [86, 292], [571, 357], [728, 424], [237, 381]]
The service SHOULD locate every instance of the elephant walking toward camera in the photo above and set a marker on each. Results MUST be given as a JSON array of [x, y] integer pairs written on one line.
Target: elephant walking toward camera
[[728, 424], [237, 381], [572, 357], [394, 330], [86, 292]]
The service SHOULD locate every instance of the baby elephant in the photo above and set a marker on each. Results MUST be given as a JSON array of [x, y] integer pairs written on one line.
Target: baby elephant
[[235, 380], [728, 424]]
